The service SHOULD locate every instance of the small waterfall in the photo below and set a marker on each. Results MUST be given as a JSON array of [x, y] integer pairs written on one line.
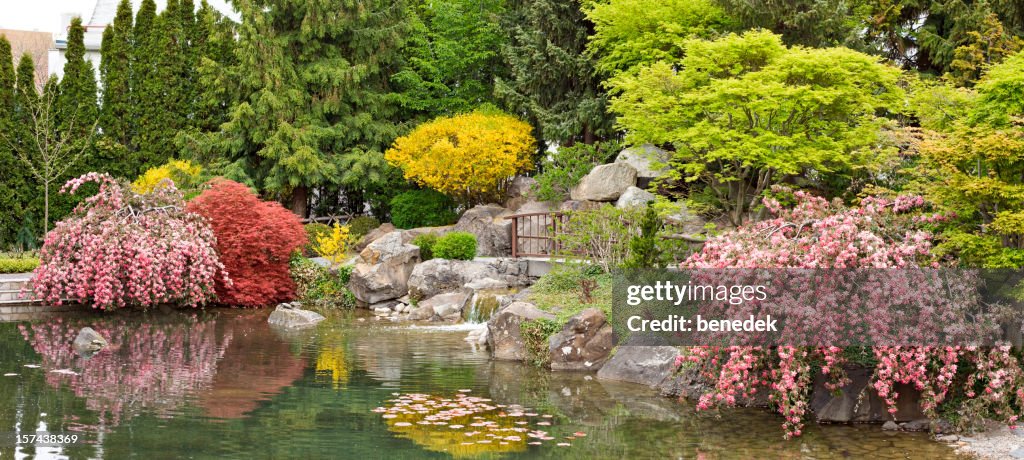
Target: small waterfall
[[484, 304]]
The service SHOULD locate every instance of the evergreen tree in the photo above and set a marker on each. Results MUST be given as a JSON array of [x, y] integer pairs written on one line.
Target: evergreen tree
[[8, 162], [115, 74], [76, 101], [316, 98], [553, 78], [145, 86], [214, 84], [165, 106]]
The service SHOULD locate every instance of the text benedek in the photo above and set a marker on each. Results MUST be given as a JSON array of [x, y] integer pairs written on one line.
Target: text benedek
[[678, 323]]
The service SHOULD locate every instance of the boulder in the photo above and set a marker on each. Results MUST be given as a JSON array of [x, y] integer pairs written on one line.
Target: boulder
[[484, 284], [634, 197], [503, 335], [436, 276], [531, 207], [689, 223], [293, 318], [605, 182], [858, 401], [639, 364], [422, 313], [583, 344], [88, 341], [446, 304], [573, 205], [384, 269], [519, 191], [648, 160], [374, 235], [409, 235], [493, 232]]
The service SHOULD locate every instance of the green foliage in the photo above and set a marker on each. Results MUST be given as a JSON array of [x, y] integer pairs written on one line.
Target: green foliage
[[426, 244], [360, 226], [815, 23], [313, 93], [552, 79], [745, 112], [563, 169], [560, 291], [18, 264], [454, 55], [115, 75], [422, 208], [535, 334], [455, 245], [317, 286], [643, 248], [628, 33], [602, 235]]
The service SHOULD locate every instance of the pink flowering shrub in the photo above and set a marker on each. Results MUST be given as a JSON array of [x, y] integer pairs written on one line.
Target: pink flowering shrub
[[881, 233], [120, 248]]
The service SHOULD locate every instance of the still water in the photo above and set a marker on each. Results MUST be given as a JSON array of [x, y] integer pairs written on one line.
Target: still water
[[222, 384]]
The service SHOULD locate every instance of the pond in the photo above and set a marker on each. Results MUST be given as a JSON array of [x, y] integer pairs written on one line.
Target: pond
[[222, 384]]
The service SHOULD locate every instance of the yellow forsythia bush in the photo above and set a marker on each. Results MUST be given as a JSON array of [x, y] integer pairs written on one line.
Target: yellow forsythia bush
[[182, 172], [333, 245], [469, 157]]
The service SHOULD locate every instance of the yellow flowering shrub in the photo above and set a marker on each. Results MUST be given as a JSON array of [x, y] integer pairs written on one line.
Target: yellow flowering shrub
[[470, 157], [333, 245], [183, 173]]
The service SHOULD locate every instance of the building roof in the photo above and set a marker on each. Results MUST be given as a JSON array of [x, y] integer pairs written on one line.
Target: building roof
[[37, 45]]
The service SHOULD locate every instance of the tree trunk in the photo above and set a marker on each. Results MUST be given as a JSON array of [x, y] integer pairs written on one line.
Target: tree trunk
[[588, 136], [300, 201], [46, 209]]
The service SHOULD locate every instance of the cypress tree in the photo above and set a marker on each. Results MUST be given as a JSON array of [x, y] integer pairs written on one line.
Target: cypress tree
[[8, 162], [214, 84], [316, 106], [115, 73], [553, 79], [146, 94], [76, 104], [26, 193]]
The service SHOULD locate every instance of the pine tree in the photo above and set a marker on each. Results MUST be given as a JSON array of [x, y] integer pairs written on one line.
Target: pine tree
[[115, 73], [315, 93], [553, 77]]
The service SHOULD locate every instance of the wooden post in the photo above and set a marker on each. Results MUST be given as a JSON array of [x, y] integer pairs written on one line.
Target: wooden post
[[515, 233]]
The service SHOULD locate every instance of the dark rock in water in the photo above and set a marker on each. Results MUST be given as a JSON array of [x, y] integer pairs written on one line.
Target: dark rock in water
[[890, 426], [858, 401], [644, 365], [504, 337], [293, 318], [584, 344], [917, 425], [89, 341]]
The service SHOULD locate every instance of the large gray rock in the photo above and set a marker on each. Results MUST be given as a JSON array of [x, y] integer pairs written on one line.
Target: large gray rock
[[634, 197], [648, 160], [584, 344], [436, 276], [293, 318], [409, 235], [520, 191], [644, 365], [374, 235], [605, 182], [504, 337], [573, 205], [423, 312], [88, 341], [446, 304], [688, 222], [384, 269], [493, 232]]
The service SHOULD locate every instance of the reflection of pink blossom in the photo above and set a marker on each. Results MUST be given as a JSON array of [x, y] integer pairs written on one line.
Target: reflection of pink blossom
[[147, 367]]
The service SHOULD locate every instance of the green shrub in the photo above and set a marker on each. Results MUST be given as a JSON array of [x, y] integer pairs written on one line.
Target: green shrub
[[535, 335], [455, 245], [362, 225], [18, 265], [426, 244], [318, 286], [563, 169], [313, 231], [422, 208]]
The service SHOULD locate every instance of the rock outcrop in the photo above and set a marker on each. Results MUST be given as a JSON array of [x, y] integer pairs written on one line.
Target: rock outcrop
[[289, 316], [640, 364], [493, 232], [605, 182], [374, 235], [504, 337], [644, 159], [584, 344], [447, 306], [88, 341], [438, 276], [634, 197], [383, 270], [858, 401]]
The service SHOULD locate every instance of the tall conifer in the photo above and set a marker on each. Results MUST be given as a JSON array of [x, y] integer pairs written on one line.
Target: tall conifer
[[115, 74]]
